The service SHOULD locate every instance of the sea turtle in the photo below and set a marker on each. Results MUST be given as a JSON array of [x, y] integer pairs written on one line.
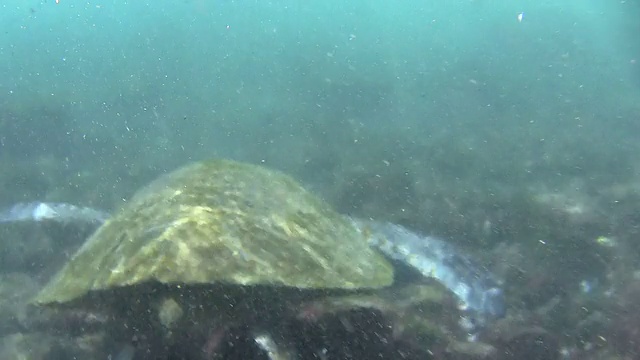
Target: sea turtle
[[220, 242]]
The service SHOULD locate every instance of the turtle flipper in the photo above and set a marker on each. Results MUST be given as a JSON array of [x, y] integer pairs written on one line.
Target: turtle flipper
[[49, 211], [127, 352], [478, 291], [273, 350]]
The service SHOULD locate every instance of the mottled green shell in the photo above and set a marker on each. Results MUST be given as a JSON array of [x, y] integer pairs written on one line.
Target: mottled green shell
[[222, 222]]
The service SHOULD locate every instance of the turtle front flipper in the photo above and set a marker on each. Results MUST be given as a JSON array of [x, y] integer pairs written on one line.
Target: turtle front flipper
[[271, 348], [57, 212], [126, 353], [479, 292]]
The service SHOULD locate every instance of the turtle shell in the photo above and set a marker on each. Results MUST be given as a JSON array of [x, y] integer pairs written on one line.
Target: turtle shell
[[222, 222]]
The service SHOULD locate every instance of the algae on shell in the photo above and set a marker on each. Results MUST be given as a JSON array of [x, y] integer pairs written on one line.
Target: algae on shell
[[222, 222]]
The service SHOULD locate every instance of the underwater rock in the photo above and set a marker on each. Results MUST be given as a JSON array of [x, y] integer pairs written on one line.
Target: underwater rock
[[15, 291], [38, 346], [418, 316], [517, 340]]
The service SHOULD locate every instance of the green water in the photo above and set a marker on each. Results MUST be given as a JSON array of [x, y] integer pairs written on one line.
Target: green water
[[379, 106]]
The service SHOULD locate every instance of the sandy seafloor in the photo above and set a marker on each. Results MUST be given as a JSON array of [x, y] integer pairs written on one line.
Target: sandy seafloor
[[507, 129]]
